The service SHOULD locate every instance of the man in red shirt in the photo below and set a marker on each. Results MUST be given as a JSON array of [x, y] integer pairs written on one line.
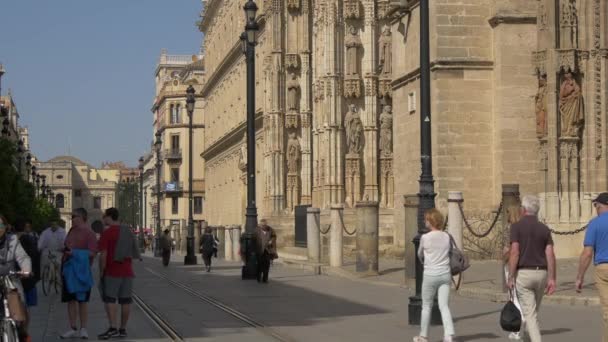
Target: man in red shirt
[[116, 273]]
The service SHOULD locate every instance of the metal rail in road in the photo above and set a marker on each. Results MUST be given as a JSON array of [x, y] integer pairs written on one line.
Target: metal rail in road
[[160, 322]]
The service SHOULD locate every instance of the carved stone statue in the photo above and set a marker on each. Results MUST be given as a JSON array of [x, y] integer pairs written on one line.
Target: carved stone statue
[[569, 25], [352, 42], [386, 43], [386, 130], [243, 154], [293, 89], [541, 107], [570, 107], [354, 130], [293, 153]]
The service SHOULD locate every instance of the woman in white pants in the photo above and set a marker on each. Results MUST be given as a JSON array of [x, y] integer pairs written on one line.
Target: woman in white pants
[[434, 252]]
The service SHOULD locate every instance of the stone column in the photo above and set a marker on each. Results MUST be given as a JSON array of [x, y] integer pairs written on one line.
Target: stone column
[[236, 243], [228, 242], [455, 216], [410, 204], [313, 234], [367, 237], [335, 243], [221, 235]]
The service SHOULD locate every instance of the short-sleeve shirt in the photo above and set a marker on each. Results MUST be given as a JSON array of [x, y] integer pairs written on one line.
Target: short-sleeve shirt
[[597, 238], [533, 237], [107, 243]]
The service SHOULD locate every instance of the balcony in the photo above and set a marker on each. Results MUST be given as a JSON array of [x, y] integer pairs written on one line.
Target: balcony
[[172, 187], [173, 154]]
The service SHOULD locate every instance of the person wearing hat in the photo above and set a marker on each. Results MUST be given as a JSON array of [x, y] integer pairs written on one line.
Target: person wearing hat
[[596, 248]]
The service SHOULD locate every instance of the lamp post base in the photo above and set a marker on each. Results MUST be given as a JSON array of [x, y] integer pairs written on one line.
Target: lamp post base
[[157, 252], [190, 258], [249, 256], [414, 310]]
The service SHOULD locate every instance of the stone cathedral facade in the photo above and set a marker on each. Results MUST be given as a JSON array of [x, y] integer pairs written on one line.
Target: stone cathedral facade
[[518, 96]]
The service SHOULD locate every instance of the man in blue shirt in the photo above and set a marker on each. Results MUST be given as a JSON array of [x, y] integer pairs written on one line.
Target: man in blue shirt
[[596, 247]]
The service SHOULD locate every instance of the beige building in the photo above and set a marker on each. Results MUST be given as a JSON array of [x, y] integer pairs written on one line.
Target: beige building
[[174, 74], [77, 184], [518, 96]]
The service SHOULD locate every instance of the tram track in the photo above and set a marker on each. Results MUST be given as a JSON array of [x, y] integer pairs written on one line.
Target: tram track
[[160, 322], [265, 330]]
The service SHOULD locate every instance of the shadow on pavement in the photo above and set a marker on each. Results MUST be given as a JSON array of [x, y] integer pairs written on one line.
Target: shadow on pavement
[[481, 314], [554, 331], [478, 337]]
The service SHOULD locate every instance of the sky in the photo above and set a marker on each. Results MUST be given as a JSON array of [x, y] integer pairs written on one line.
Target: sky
[[82, 71]]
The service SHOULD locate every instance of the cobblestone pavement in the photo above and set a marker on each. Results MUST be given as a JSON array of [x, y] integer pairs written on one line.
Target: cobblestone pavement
[[296, 305]]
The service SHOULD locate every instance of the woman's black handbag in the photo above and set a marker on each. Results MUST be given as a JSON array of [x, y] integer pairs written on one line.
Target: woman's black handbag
[[510, 317]]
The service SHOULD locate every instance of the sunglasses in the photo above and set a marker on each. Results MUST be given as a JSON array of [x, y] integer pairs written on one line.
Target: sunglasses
[[75, 216]]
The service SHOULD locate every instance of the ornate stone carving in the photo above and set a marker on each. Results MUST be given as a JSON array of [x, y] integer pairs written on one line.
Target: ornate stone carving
[[597, 76], [540, 101], [353, 43], [371, 86], [305, 117], [293, 153], [354, 130], [293, 93], [387, 183], [353, 179], [568, 23], [291, 120], [570, 107], [352, 9], [352, 88], [567, 60], [318, 90], [539, 61], [386, 131], [292, 61], [542, 16], [243, 154], [386, 52], [386, 90], [383, 8], [293, 4]]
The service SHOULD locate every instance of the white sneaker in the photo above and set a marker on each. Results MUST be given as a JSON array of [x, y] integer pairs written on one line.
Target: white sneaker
[[84, 334], [515, 336], [72, 333]]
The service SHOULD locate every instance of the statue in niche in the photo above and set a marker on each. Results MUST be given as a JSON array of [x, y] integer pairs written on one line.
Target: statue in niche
[[354, 130], [386, 43], [541, 107], [352, 42], [569, 25], [293, 153], [570, 106], [293, 89], [386, 130], [243, 154]]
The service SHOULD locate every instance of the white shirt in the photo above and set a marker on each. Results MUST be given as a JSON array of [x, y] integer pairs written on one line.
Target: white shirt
[[52, 240], [435, 249]]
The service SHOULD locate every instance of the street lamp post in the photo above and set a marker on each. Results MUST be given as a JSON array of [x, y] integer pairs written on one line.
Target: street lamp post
[[426, 193], [157, 145], [248, 39], [141, 206], [33, 174], [37, 184], [190, 258], [19, 156], [28, 164]]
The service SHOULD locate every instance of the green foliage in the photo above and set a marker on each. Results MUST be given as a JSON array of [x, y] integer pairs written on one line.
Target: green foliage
[[17, 197]]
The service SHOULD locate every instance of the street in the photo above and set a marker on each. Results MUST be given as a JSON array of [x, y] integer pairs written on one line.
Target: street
[[295, 306]]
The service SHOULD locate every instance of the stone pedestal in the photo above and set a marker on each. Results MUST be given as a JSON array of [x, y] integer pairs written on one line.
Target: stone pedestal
[[335, 243], [455, 216], [367, 237], [236, 243], [313, 234], [293, 191], [228, 243], [353, 179], [410, 207]]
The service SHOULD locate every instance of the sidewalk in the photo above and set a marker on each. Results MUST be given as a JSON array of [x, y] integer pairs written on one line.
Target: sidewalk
[[480, 281]]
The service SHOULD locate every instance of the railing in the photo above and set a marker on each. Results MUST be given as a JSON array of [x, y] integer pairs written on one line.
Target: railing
[[173, 153], [175, 59], [172, 187]]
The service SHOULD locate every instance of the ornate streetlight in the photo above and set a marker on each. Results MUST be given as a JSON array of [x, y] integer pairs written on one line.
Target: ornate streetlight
[[190, 258], [33, 174], [19, 155], [157, 145], [248, 40], [426, 193], [28, 165], [43, 187], [141, 206], [37, 184]]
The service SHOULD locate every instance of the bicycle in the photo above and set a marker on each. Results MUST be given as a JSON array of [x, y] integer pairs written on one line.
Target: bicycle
[[51, 276], [9, 332]]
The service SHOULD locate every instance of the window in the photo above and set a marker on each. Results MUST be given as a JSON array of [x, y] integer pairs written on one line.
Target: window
[[175, 142], [172, 113], [77, 193], [174, 205], [97, 202], [59, 177], [59, 201], [198, 205], [175, 174], [178, 114]]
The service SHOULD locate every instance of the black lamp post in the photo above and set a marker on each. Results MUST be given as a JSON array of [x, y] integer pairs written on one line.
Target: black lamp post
[[43, 187], [190, 258], [51, 198], [37, 184], [33, 174], [19, 155], [141, 206], [248, 39], [426, 193], [157, 144], [28, 165]]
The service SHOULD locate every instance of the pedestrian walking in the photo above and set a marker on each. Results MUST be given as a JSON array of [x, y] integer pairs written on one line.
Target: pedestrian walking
[[117, 248], [596, 249], [266, 248], [531, 263], [165, 247], [207, 247], [513, 216], [29, 242], [80, 250], [434, 253]]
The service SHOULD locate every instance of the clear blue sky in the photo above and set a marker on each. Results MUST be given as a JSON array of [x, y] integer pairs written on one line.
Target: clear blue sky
[[82, 71]]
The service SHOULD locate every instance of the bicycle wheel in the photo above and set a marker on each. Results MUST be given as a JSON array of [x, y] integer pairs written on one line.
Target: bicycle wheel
[[9, 332], [46, 281], [56, 279]]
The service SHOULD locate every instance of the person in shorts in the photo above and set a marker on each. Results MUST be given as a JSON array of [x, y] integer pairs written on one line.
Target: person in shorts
[[116, 273]]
